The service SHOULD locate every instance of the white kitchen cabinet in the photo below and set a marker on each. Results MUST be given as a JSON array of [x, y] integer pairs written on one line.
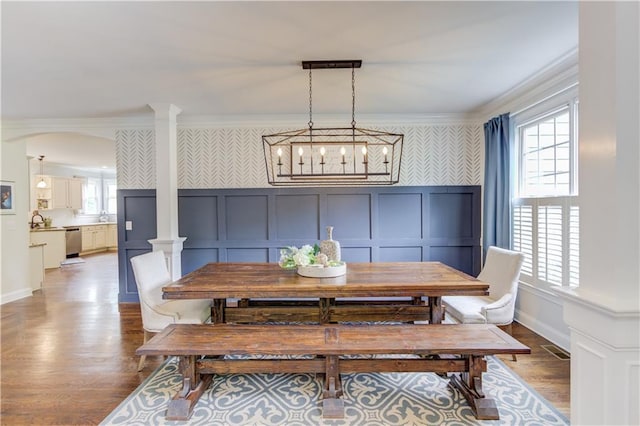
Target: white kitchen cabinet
[[94, 237], [55, 250], [66, 193], [112, 236], [36, 265]]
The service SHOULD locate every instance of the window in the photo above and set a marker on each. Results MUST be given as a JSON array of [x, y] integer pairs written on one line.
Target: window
[[100, 194], [546, 160], [546, 215]]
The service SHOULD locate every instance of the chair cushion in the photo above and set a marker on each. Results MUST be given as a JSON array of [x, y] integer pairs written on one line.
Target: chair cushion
[[466, 309]]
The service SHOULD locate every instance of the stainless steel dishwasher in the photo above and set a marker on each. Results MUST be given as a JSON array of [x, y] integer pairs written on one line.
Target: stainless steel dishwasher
[[74, 241]]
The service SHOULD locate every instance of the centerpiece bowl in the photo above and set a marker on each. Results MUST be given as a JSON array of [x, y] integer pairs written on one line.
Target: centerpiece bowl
[[320, 271]]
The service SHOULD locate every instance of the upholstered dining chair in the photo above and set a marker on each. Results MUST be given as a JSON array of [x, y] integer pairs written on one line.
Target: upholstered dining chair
[[151, 274], [501, 271]]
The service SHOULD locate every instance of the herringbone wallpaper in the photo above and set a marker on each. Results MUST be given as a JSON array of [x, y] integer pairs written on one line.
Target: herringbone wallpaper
[[233, 157]]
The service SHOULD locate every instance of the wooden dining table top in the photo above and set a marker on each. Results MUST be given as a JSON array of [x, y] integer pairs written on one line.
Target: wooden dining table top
[[377, 279]]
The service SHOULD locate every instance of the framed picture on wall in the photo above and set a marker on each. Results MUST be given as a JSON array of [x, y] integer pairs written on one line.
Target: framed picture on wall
[[7, 204]]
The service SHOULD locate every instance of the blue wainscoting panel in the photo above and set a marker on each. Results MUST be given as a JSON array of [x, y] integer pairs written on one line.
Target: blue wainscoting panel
[[139, 208], [400, 254], [247, 255], [372, 224], [141, 212], [350, 216], [356, 254], [206, 209], [246, 217], [450, 216], [297, 217], [457, 257], [193, 258], [400, 215]]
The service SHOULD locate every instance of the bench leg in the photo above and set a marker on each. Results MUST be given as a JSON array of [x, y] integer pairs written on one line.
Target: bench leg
[[469, 384], [193, 386], [436, 311], [217, 311], [509, 330], [332, 405]]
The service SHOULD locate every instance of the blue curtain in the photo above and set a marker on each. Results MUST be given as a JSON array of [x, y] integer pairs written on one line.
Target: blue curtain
[[497, 188]]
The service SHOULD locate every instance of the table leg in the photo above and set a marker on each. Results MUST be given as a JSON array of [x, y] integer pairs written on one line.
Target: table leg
[[436, 311], [325, 306]]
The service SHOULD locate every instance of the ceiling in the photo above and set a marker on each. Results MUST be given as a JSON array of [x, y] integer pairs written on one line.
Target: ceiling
[[240, 59]]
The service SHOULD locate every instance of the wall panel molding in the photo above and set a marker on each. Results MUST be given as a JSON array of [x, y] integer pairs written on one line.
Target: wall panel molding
[[372, 224]]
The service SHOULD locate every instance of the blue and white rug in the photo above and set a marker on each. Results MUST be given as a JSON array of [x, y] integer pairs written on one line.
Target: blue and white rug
[[369, 399]]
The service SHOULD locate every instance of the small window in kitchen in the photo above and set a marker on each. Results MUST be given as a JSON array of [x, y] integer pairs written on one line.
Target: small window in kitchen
[[100, 195], [91, 202], [111, 196]]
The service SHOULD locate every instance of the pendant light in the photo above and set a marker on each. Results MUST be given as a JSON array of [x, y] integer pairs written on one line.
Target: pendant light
[[42, 184], [333, 155]]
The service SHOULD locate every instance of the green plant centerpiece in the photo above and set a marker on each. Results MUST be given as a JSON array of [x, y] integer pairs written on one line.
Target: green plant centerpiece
[[309, 261]]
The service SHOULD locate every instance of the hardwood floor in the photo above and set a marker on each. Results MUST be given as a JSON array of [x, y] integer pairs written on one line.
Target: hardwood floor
[[68, 351]]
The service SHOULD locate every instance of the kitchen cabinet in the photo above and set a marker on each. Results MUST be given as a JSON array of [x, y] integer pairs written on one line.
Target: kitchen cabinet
[[94, 237], [36, 265], [55, 249], [60, 193], [66, 193], [112, 236]]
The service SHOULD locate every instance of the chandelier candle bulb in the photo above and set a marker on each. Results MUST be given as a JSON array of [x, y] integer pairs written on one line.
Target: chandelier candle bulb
[[364, 155]]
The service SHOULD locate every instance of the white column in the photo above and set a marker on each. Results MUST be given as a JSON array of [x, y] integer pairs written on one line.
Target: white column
[[603, 314], [167, 238]]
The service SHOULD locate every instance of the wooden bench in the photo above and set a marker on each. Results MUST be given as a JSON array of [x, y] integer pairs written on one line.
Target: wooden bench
[[465, 346]]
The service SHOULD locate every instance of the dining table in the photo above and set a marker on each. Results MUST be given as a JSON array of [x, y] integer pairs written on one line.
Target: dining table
[[376, 291]]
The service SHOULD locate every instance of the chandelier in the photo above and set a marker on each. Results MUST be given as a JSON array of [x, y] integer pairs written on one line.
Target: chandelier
[[332, 155]]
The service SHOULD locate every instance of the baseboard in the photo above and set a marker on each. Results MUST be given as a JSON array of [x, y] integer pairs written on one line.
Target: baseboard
[[544, 330], [15, 295]]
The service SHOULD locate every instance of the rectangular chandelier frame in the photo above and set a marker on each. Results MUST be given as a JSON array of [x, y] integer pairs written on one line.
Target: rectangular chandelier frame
[[333, 156]]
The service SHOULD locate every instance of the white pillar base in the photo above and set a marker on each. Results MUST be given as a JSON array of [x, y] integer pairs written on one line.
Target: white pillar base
[[605, 361], [172, 252]]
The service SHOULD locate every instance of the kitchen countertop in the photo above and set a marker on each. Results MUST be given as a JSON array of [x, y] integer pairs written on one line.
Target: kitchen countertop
[[53, 228], [64, 228]]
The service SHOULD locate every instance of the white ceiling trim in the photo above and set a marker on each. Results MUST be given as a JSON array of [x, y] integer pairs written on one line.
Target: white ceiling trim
[[558, 76], [105, 127]]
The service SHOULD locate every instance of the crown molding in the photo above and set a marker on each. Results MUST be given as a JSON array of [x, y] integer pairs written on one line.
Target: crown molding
[[556, 77], [322, 120], [106, 127]]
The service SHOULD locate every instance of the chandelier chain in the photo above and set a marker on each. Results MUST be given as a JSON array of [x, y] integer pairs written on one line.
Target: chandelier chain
[[353, 97], [310, 101]]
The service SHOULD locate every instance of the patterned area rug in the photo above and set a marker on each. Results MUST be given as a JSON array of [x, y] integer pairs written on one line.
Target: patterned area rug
[[369, 399]]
